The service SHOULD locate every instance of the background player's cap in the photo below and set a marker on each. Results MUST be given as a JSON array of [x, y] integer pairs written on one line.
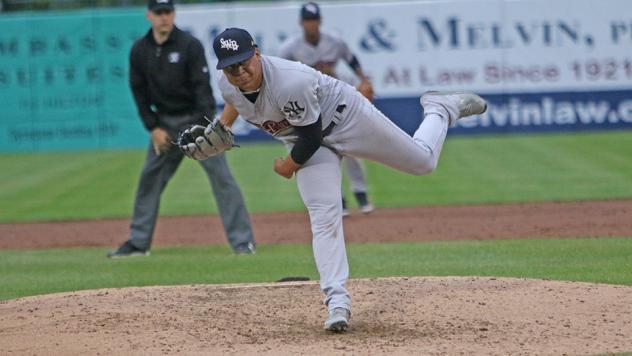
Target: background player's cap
[[233, 46], [157, 5], [310, 11]]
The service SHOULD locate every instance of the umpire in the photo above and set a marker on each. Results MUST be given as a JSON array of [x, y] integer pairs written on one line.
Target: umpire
[[169, 78]]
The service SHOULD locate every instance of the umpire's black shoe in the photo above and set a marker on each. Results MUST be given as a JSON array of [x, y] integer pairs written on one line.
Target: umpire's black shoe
[[246, 249], [127, 250]]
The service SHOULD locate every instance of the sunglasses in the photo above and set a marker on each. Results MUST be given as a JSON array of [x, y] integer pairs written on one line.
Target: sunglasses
[[162, 12], [234, 68]]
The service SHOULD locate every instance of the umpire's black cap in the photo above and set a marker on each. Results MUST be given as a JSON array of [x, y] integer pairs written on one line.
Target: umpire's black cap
[[157, 5], [233, 46], [310, 11]]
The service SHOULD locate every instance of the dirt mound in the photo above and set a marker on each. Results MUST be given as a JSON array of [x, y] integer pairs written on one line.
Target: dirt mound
[[395, 316]]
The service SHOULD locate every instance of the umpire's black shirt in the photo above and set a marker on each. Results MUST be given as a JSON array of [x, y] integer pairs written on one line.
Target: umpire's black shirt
[[170, 79]]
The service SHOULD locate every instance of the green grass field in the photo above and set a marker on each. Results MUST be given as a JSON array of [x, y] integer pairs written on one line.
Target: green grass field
[[605, 260], [473, 170], [497, 169]]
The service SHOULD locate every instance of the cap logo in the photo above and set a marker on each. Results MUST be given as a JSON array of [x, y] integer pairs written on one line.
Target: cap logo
[[311, 8], [162, 1], [229, 44]]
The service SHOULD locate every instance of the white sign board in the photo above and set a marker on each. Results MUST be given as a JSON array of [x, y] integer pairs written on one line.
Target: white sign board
[[532, 54], [488, 46]]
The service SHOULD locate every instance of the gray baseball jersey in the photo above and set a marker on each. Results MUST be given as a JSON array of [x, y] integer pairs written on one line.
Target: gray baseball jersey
[[327, 52], [283, 101]]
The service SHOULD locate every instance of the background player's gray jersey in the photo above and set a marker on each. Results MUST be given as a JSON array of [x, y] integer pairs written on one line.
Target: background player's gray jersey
[[284, 100], [327, 52]]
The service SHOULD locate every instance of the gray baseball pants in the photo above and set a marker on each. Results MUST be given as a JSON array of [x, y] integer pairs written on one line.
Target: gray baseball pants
[[356, 174], [365, 133]]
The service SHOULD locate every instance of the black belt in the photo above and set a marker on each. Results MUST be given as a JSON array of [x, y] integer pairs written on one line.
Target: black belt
[[328, 129], [331, 125]]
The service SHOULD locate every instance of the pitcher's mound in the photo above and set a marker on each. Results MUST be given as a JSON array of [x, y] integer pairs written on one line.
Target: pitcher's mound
[[395, 316]]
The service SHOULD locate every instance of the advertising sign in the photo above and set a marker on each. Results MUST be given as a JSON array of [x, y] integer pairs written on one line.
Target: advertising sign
[[542, 65]]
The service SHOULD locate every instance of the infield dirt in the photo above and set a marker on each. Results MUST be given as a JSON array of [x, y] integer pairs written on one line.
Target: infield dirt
[[605, 218], [395, 316]]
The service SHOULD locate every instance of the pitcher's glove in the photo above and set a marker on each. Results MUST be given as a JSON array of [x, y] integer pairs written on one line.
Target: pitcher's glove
[[200, 143]]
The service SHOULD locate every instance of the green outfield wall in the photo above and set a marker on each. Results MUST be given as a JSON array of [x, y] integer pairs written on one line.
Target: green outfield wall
[[63, 80]]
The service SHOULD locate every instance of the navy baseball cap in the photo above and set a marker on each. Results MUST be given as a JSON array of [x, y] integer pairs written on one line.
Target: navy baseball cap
[[157, 5], [233, 46], [310, 11]]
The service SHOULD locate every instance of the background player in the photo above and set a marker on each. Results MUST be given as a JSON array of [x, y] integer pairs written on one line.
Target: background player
[[323, 51], [320, 119], [169, 78]]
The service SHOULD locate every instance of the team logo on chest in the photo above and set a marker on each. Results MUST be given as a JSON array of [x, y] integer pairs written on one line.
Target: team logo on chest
[[293, 110], [274, 127], [174, 57]]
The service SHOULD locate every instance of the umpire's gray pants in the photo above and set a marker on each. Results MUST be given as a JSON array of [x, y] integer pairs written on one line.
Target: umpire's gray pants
[[157, 172]]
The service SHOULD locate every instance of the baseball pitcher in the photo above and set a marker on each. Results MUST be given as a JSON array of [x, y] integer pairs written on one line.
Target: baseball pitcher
[[320, 119]]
